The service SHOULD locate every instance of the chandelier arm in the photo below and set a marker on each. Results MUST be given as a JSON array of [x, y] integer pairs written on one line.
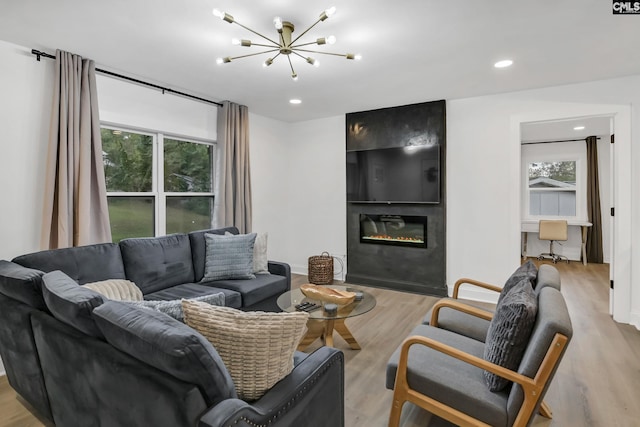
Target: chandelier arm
[[317, 51], [256, 33], [293, 73], [296, 53], [253, 54], [306, 31], [303, 44], [263, 45]]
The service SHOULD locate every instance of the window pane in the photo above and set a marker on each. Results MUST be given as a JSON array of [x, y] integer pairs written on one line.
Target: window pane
[[187, 166], [186, 214], [552, 203], [128, 160], [552, 174], [131, 217]]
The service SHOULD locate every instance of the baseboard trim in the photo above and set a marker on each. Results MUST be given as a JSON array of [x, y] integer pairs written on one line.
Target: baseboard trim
[[634, 319]]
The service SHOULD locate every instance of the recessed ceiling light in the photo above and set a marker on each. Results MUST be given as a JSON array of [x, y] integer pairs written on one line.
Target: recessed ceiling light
[[295, 101], [503, 64], [578, 128]]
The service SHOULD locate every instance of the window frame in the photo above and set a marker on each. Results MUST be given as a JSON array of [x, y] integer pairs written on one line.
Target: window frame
[[555, 152], [157, 182]]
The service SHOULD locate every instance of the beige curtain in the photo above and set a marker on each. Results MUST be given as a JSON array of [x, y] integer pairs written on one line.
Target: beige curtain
[[233, 178], [594, 233], [75, 204]]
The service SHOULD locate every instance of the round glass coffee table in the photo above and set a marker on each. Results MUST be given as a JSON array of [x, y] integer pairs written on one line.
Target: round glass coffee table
[[321, 324]]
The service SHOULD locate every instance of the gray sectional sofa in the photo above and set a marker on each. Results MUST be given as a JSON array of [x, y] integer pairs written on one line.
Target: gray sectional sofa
[[80, 359]]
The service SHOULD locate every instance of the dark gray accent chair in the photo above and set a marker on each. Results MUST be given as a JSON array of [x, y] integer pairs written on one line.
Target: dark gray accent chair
[[441, 370]]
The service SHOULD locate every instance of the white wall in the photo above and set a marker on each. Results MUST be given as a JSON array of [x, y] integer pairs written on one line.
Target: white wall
[[25, 108]]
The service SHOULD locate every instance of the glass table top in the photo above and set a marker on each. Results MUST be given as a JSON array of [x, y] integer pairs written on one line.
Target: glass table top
[[288, 300]]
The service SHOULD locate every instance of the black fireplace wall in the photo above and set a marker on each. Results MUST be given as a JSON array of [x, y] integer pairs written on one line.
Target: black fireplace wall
[[414, 269]]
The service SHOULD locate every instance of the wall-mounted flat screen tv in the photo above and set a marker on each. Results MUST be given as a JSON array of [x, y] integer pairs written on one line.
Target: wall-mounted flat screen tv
[[408, 174]]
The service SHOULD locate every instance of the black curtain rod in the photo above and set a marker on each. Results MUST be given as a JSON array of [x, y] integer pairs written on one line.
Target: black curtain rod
[[40, 54], [551, 142]]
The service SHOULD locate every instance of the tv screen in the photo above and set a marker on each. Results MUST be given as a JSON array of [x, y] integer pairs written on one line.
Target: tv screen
[[408, 174]]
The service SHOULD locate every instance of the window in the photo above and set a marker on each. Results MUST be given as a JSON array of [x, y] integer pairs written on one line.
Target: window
[[552, 188], [156, 184], [554, 181]]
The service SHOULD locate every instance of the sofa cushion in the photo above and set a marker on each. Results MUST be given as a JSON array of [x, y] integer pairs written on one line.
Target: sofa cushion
[[257, 347], [509, 331], [157, 263], [452, 381], [22, 283], [229, 257], [254, 290], [83, 264], [528, 271], [71, 303], [173, 308], [260, 259], [168, 345], [116, 289], [198, 248], [192, 290]]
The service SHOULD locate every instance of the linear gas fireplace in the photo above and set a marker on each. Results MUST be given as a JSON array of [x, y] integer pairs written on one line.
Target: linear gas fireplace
[[397, 230]]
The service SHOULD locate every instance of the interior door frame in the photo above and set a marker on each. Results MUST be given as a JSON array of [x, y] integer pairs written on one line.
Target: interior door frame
[[621, 261]]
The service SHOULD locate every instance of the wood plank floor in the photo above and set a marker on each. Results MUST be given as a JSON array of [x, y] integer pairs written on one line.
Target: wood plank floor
[[596, 385]]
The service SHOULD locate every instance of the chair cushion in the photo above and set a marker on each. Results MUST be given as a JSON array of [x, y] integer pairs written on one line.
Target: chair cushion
[[70, 303], [116, 289], [257, 347], [528, 270], [173, 308], [509, 331], [450, 381], [168, 345], [192, 290], [229, 257], [155, 263], [460, 322]]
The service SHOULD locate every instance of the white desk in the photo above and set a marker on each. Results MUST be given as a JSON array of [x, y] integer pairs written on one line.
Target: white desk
[[533, 226]]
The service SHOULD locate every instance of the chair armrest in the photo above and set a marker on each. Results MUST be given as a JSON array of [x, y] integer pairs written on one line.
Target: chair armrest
[[467, 281], [459, 306], [311, 395], [532, 387], [21, 283], [281, 269]]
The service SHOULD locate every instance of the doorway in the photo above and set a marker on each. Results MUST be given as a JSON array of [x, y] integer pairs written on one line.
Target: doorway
[[619, 185]]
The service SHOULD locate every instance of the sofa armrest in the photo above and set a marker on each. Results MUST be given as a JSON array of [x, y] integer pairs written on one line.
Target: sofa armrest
[[281, 269], [312, 395], [22, 283]]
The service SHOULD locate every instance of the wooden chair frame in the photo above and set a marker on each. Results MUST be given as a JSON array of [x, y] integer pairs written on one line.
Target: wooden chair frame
[[532, 387]]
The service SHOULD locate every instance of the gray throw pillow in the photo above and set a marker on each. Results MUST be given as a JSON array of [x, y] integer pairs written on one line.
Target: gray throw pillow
[[260, 260], [229, 257], [528, 270], [509, 331], [174, 308]]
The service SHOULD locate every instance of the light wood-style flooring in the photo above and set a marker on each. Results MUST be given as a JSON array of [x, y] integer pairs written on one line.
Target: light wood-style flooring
[[597, 384]]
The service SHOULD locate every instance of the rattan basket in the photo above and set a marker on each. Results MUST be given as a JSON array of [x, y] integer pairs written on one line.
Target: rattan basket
[[321, 269]]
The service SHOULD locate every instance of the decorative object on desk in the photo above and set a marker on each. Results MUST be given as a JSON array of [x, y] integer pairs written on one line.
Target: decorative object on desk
[[328, 294], [359, 296], [321, 269], [331, 309]]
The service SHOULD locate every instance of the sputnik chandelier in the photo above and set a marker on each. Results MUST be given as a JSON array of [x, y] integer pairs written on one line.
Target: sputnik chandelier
[[285, 45]]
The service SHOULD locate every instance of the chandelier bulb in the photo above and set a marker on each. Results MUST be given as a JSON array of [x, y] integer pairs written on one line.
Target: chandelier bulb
[[235, 42], [331, 39], [358, 57], [294, 76], [219, 61], [278, 23], [267, 62], [218, 13], [330, 11]]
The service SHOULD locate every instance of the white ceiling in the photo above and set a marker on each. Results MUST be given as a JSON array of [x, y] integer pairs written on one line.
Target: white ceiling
[[413, 50]]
